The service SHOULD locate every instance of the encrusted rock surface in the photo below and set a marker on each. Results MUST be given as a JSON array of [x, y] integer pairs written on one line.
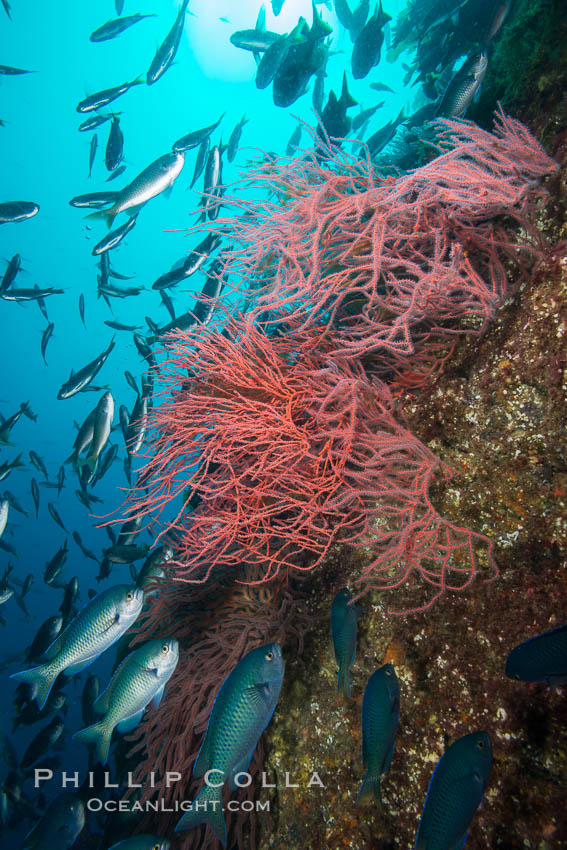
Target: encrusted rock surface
[[497, 416]]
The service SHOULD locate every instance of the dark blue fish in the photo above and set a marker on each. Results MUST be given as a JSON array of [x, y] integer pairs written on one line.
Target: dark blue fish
[[9, 276], [196, 138], [92, 152], [335, 122], [294, 141], [301, 62], [112, 239], [242, 710], [166, 51], [343, 632], [380, 717], [12, 211], [113, 28], [368, 44], [540, 659], [104, 97], [234, 140], [114, 146], [455, 793], [9, 71]]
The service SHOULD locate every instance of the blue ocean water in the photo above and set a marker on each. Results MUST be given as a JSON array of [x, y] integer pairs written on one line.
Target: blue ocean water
[[46, 160]]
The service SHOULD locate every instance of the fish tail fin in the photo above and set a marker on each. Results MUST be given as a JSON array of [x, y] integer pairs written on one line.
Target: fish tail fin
[[370, 791], [383, 16], [344, 681], [104, 215], [346, 97], [98, 734], [87, 461], [42, 679], [206, 808]]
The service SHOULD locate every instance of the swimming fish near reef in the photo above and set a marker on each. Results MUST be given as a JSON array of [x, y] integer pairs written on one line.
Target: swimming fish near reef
[[463, 86], [165, 53], [91, 690], [92, 152], [106, 96], [43, 741], [111, 240], [335, 122], [294, 141], [197, 137], [368, 44], [60, 824], [94, 200], [86, 552], [55, 514], [234, 139], [11, 272], [301, 62], [78, 380], [83, 438], [13, 211], [190, 264], [94, 629], [92, 122], [44, 636], [455, 793], [114, 146], [343, 633], [157, 177], [275, 55], [116, 26], [542, 658], [380, 718], [55, 564], [140, 679], [102, 423], [242, 710], [9, 465], [153, 567]]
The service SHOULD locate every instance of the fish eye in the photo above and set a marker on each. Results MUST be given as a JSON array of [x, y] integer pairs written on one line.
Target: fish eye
[[165, 648], [156, 847], [269, 655], [480, 744], [129, 596]]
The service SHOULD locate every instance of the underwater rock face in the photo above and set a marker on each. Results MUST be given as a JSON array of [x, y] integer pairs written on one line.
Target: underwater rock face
[[497, 416]]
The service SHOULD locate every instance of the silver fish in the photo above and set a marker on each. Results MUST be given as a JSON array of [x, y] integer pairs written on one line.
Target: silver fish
[[78, 380], [104, 414], [159, 176], [92, 631], [140, 679]]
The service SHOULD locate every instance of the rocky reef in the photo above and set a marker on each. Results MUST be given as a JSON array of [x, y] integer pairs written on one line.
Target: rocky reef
[[496, 415]]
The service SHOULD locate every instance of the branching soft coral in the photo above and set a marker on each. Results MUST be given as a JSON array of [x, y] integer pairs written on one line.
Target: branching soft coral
[[291, 453], [395, 266]]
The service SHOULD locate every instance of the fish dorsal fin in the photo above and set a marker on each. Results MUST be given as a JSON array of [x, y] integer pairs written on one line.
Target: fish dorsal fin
[[261, 19]]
